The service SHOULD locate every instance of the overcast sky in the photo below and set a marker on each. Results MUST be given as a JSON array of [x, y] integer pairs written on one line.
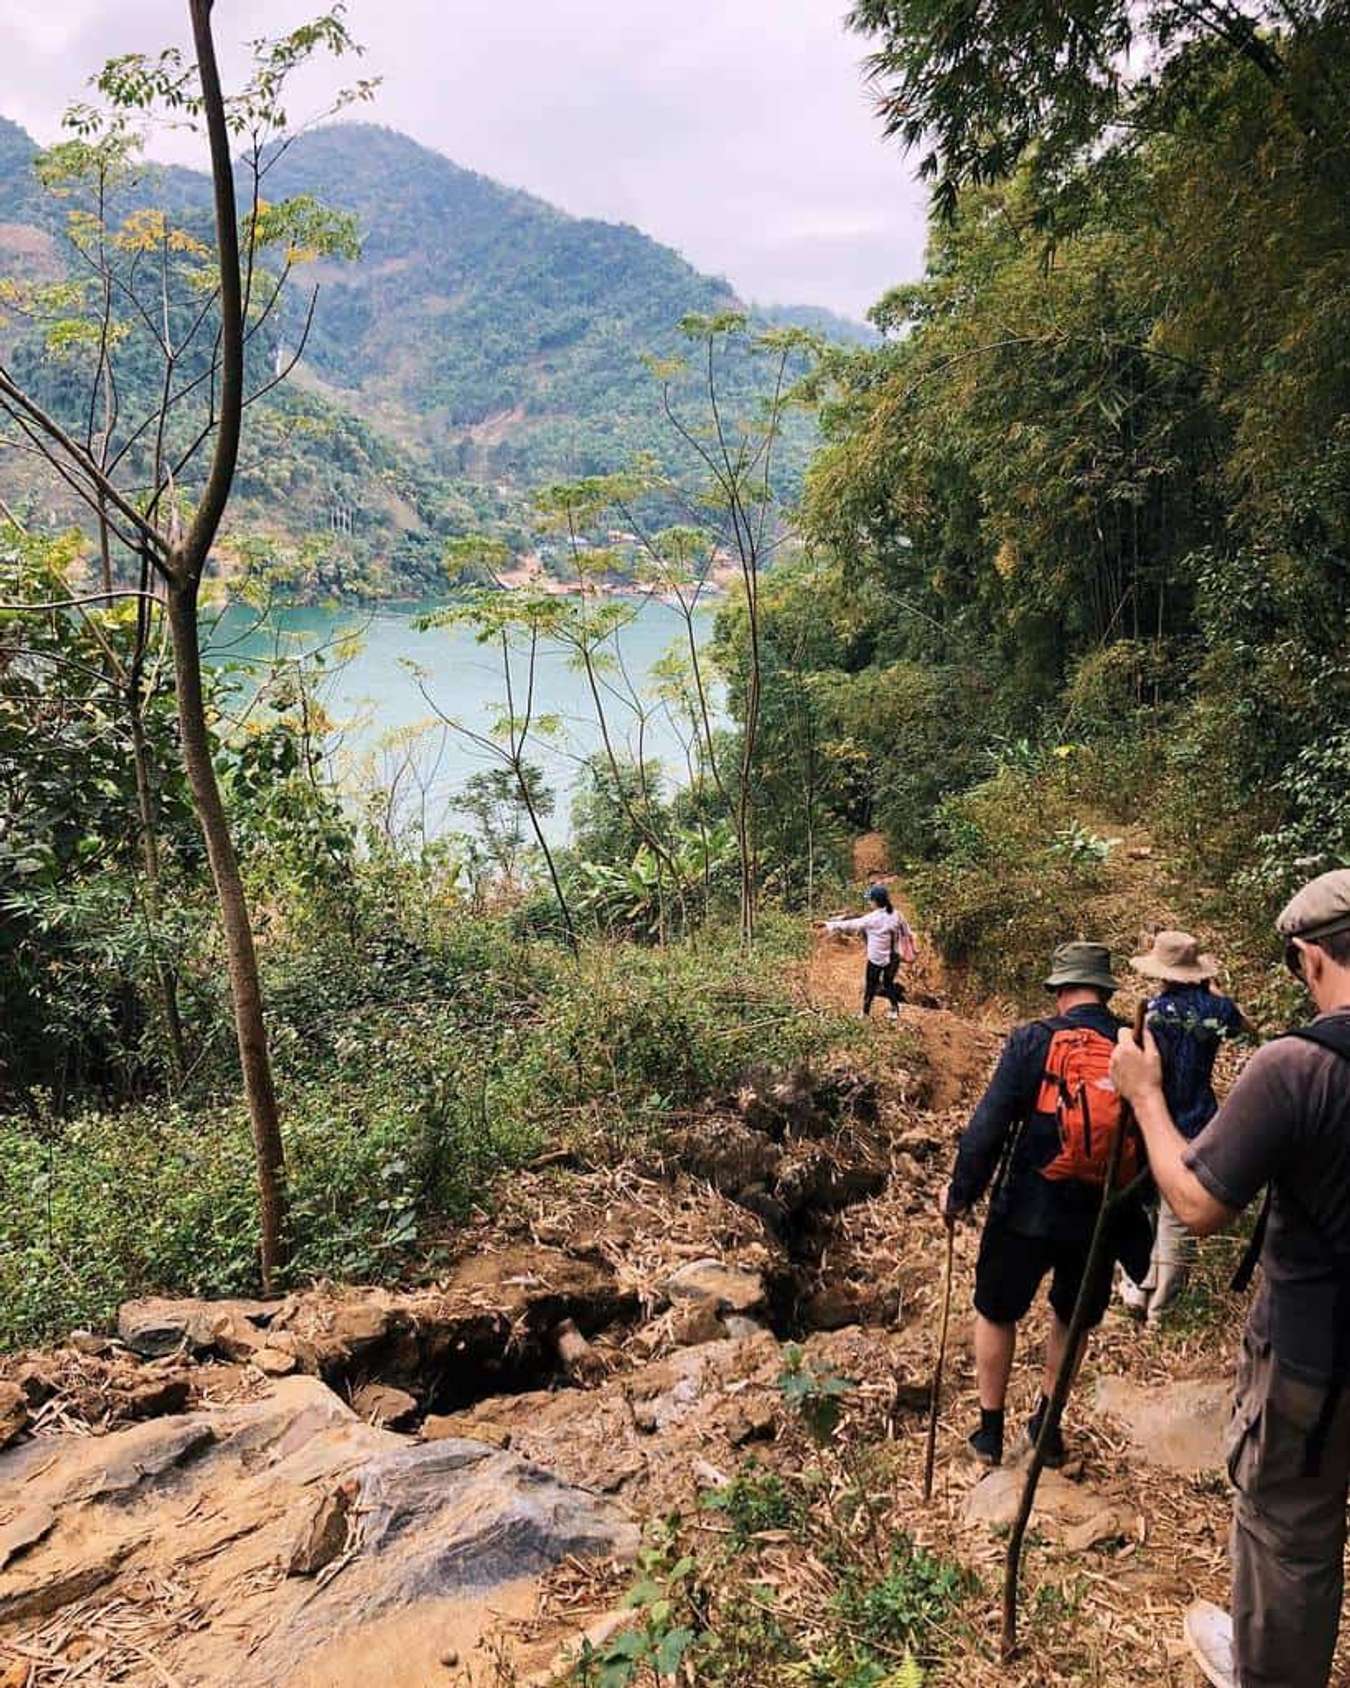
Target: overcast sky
[[738, 131]]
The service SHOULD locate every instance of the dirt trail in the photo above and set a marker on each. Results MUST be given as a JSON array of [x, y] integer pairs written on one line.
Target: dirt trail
[[622, 1329], [956, 1049]]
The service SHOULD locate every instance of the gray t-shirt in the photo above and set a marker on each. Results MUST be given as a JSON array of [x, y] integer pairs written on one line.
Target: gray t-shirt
[[1286, 1123]]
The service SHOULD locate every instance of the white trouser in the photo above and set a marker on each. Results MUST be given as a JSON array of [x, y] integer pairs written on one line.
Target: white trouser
[[1169, 1266]]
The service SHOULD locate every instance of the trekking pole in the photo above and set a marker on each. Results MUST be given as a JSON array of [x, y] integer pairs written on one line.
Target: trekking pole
[[1096, 1259], [930, 1451]]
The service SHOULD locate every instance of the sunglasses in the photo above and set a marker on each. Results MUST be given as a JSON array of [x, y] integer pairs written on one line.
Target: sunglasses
[[1293, 958]]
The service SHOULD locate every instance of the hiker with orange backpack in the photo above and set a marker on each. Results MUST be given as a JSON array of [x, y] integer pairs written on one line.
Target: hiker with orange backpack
[[1041, 1136]]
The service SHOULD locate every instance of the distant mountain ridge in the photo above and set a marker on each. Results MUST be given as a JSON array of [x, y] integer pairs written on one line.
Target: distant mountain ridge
[[524, 317], [484, 339]]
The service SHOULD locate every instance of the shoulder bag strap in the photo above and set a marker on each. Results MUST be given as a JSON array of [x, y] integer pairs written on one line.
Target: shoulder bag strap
[[1333, 1035]]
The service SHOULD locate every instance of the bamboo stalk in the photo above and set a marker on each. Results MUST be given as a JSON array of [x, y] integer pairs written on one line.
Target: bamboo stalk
[[930, 1452]]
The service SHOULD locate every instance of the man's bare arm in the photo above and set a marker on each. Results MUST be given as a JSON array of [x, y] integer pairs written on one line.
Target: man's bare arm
[[1137, 1074]]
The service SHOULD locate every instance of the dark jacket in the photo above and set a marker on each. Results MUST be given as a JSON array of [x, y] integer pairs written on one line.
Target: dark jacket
[[1024, 1200], [1189, 1023]]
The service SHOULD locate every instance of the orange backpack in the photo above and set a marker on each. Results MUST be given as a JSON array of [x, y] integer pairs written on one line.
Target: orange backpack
[[1077, 1093]]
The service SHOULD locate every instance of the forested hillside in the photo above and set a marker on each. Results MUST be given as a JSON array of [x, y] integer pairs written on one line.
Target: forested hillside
[[481, 344], [1081, 526]]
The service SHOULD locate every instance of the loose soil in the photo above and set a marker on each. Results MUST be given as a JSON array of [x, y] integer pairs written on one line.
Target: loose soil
[[623, 1328]]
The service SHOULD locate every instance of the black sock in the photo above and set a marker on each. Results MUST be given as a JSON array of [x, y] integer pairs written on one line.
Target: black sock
[[991, 1419]]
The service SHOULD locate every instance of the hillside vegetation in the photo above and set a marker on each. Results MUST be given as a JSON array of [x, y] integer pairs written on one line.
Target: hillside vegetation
[[479, 345], [1061, 619]]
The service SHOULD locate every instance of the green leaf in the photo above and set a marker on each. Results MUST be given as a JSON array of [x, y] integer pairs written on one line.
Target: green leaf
[[672, 1649], [643, 1593]]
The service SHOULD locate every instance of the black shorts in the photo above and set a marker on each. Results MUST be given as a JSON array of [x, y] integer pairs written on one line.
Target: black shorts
[[1010, 1268]]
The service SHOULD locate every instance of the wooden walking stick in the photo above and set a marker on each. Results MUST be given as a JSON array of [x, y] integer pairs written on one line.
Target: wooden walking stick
[[930, 1452], [1098, 1259]]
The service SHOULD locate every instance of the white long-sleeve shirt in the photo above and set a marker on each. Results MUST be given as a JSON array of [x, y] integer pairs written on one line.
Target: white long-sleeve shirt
[[883, 931]]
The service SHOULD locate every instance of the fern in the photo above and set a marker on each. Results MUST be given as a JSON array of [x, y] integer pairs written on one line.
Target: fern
[[909, 1675]]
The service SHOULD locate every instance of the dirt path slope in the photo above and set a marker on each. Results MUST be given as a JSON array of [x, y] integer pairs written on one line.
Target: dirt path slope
[[621, 1331]]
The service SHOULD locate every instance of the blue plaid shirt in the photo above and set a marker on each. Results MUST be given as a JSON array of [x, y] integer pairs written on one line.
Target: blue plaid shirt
[[1189, 1022]]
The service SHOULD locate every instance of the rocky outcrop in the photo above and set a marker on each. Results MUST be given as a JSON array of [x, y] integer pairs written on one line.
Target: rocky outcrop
[[296, 1525], [157, 1326]]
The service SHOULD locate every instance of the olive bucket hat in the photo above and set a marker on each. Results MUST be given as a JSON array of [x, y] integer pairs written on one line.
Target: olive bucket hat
[[1081, 964]]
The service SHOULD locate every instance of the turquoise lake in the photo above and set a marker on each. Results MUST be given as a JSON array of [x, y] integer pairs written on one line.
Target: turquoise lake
[[386, 716]]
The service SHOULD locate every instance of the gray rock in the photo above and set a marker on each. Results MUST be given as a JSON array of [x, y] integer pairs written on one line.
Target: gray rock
[[376, 1527], [35, 1592], [25, 1531], [126, 1465], [157, 1325], [1181, 1428], [275, 1362], [1063, 1509], [381, 1403], [740, 1326], [731, 1289], [325, 1533], [441, 1427]]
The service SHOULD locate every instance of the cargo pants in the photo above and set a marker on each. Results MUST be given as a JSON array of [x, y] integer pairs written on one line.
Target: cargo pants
[[1289, 1524]]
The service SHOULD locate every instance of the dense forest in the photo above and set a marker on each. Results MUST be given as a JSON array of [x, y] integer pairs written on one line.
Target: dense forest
[[1059, 550]]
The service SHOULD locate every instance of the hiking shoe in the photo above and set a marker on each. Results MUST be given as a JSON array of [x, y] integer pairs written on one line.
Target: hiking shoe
[[1134, 1299], [1209, 1635], [987, 1446], [892, 1013], [1054, 1452]]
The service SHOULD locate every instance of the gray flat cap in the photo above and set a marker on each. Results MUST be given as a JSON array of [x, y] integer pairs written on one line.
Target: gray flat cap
[[1320, 910]]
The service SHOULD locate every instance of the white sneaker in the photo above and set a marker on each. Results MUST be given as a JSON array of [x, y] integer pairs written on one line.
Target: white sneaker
[[1209, 1635]]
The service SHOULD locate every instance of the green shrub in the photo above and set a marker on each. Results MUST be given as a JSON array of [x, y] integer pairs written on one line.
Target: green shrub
[[411, 1074], [917, 1593], [755, 1500], [1017, 874]]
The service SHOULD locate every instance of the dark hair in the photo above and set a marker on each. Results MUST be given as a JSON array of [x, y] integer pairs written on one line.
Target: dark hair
[[879, 895], [1336, 945]]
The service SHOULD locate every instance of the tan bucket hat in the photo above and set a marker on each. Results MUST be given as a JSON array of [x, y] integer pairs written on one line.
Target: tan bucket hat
[[1177, 958]]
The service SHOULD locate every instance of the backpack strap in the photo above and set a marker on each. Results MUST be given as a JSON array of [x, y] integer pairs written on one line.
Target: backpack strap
[[1240, 1281], [1333, 1035], [1013, 1142]]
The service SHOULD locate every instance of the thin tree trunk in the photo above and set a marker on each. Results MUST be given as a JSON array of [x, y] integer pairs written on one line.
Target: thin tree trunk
[[145, 808], [523, 784], [105, 553], [245, 986]]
